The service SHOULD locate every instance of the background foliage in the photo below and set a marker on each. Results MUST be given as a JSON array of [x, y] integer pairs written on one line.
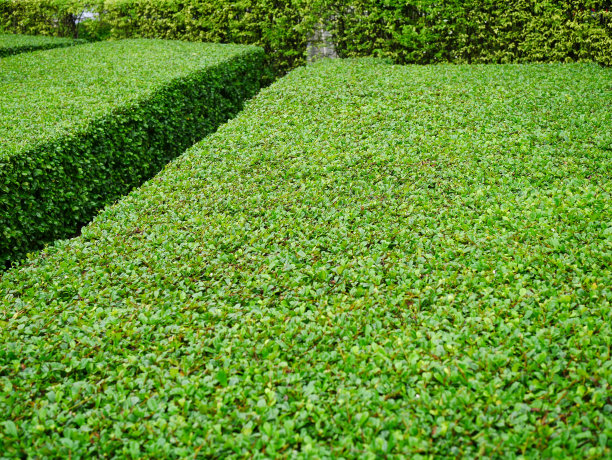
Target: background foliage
[[413, 31], [282, 28]]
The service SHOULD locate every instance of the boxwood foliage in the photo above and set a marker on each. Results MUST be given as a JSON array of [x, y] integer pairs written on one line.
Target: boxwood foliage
[[81, 126], [16, 43], [407, 31], [370, 260]]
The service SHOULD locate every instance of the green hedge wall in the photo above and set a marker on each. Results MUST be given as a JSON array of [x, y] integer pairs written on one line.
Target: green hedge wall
[[282, 28], [82, 125], [16, 43], [475, 31], [407, 31]]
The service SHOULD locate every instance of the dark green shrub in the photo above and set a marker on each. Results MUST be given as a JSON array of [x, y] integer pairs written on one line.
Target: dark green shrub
[[82, 125]]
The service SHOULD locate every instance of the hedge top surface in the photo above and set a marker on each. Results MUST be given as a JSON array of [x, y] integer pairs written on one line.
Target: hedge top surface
[[32, 41], [46, 94], [368, 260]]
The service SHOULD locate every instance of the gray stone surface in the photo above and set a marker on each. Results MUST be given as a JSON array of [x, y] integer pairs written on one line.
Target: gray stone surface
[[321, 45]]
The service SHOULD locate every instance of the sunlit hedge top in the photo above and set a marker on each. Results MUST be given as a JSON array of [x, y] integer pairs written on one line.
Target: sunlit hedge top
[[48, 94], [370, 261]]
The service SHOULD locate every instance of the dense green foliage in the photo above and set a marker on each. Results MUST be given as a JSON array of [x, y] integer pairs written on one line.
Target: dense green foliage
[[45, 17], [81, 126], [15, 43], [281, 28], [475, 31], [413, 31], [368, 260]]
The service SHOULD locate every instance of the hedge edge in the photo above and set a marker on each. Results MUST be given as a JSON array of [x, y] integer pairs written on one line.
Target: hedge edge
[[48, 44], [51, 190]]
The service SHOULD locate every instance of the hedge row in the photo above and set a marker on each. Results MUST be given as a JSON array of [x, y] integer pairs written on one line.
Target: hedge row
[[369, 261], [14, 43], [81, 126], [413, 31], [476, 31]]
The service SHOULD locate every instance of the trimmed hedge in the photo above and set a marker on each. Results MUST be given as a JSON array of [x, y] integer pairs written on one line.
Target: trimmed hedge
[[81, 126], [413, 31], [14, 43], [369, 261]]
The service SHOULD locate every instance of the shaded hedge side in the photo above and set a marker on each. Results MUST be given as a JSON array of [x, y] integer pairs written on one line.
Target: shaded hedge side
[[49, 190], [11, 44], [413, 31]]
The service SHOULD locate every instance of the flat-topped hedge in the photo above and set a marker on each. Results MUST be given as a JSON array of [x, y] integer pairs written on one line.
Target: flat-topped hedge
[[81, 126], [15, 43], [369, 261]]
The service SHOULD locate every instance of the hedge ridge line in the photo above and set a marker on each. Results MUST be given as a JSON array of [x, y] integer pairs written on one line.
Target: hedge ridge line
[[52, 187], [11, 44], [414, 31]]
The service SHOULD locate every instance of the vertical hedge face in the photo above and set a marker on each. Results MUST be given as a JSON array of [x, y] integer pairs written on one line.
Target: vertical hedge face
[[407, 31]]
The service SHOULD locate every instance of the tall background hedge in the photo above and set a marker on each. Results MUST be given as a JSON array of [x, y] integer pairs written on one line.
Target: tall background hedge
[[475, 31], [407, 31]]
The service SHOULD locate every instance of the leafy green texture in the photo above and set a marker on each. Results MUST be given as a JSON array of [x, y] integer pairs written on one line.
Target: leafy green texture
[[15, 43], [45, 17], [281, 28], [369, 260], [407, 31], [475, 31], [81, 126]]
